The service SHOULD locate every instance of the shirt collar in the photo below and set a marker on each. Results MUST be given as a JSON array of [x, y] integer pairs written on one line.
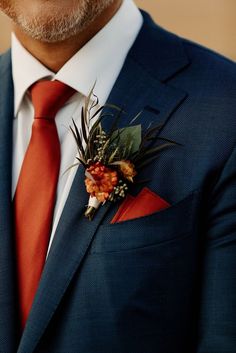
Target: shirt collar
[[99, 60], [26, 70]]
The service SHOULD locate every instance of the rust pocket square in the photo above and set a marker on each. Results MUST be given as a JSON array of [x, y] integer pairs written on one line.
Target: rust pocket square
[[144, 204]]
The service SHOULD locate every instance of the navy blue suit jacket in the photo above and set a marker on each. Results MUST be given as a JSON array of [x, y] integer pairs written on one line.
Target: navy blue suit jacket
[[164, 283]]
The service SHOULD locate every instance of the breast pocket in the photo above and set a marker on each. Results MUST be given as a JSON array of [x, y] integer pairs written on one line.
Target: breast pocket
[[172, 223]]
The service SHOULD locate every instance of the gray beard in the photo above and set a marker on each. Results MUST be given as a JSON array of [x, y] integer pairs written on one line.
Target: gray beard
[[58, 26]]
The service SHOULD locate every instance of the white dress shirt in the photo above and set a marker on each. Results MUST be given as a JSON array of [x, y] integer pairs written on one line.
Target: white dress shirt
[[100, 60]]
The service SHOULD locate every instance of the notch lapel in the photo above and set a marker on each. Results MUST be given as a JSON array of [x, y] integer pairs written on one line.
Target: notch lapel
[[74, 233], [8, 313]]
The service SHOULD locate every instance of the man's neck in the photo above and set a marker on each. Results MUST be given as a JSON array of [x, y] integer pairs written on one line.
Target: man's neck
[[55, 55]]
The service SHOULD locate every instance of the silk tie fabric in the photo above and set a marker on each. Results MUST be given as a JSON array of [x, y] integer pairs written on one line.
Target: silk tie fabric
[[35, 195]]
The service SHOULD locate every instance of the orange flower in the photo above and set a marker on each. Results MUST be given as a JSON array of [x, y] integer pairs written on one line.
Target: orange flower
[[102, 181], [128, 170]]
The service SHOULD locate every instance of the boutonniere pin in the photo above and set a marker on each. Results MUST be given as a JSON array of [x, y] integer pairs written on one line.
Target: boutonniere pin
[[112, 159]]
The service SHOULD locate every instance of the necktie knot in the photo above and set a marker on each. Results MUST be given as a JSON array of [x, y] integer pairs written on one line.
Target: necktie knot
[[48, 97]]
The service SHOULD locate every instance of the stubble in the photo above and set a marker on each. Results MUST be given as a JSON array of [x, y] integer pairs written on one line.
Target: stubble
[[50, 23]]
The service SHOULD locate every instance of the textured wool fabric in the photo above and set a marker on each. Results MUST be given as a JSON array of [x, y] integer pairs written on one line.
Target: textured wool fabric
[[161, 283], [36, 190]]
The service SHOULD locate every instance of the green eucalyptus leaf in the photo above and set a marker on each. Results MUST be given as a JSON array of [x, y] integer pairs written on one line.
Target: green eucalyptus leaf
[[128, 138]]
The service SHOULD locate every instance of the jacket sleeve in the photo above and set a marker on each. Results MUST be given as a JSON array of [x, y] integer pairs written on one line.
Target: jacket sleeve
[[217, 323]]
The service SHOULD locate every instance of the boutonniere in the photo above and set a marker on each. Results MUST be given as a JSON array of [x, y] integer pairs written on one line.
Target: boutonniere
[[112, 159]]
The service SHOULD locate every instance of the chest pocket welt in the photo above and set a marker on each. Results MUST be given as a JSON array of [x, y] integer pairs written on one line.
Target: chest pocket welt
[[169, 224]]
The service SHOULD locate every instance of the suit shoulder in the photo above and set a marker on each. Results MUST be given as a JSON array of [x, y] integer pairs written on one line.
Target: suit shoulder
[[197, 54], [168, 55], [209, 80], [204, 57]]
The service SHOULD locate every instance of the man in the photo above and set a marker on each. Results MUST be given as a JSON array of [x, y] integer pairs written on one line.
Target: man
[[161, 282]]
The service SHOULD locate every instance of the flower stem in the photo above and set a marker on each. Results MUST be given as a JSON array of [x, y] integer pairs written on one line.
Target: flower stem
[[90, 212]]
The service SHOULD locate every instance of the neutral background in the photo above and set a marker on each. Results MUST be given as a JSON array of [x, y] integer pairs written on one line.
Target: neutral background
[[209, 22]]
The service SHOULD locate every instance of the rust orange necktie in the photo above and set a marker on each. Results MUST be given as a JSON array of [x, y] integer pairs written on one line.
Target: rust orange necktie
[[36, 190]]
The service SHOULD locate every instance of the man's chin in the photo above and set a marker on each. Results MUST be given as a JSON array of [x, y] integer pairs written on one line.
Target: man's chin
[[49, 29], [57, 20], [46, 34]]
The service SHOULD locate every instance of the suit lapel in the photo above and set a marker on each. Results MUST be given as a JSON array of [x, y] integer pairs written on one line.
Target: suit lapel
[[150, 97], [8, 317], [74, 233]]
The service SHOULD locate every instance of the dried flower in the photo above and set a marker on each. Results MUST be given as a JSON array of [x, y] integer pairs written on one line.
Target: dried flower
[[127, 169], [100, 181]]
